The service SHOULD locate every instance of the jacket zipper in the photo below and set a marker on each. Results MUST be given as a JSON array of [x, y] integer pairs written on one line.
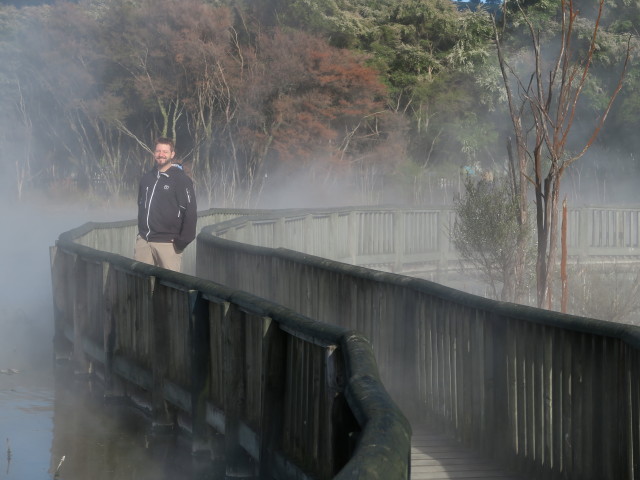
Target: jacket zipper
[[149, 205]]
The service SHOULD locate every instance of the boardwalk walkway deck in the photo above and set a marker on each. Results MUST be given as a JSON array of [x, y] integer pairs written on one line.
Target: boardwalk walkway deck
[[439, 457]]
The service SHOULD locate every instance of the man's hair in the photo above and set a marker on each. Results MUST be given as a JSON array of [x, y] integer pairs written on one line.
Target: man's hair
[[166, 141]]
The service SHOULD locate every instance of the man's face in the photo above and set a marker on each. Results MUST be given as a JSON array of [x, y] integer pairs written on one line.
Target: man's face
[[163, 156]]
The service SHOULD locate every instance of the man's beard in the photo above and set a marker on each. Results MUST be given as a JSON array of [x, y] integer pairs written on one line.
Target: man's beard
[[162, 162]]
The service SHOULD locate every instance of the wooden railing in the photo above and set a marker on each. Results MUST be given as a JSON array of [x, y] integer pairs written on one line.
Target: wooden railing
[[405, 240], [551, 394], [390, 239], [120, 237], [302, 398]]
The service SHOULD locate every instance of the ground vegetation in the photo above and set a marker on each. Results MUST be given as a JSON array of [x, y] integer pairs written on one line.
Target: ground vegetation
[[487, 234]]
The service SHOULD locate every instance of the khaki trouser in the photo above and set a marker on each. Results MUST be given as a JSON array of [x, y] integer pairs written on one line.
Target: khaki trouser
[[160, 254]]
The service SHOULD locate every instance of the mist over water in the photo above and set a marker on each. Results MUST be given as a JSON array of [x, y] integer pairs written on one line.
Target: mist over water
[[26, 399], [26, 308], [43, 419]]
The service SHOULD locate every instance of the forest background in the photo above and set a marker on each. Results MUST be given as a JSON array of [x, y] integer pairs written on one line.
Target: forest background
[[327, 101]]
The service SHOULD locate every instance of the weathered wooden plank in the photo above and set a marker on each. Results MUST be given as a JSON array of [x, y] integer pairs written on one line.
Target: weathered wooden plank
[[440, 457], [273, 368], [565, 450], [235, 391], [557, 385], [200, 369]]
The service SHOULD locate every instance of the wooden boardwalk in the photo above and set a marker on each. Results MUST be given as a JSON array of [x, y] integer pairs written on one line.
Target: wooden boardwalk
[[438, 457]]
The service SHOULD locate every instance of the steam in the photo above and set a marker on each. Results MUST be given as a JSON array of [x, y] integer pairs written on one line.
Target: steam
[[26, 303]]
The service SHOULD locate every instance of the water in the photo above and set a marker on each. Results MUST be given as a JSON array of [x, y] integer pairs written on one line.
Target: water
[[45, 418], [26, 422], [56, 426]]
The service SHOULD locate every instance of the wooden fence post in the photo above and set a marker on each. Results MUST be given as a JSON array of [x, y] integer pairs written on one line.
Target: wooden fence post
[[630, 456], [334, 237], [279, 236], [274, 375], [399, 239], [112, 384], [80, 309], [61, 305], [584, 241], [444, 243], [307, 228], [497, 385], [160, 343], [200, 369], [334, 387], [235, 392], [353, 236]]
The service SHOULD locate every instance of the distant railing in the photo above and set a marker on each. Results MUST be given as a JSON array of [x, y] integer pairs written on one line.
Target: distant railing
[[383, 238], [403, 240], [120, 237], [390, 239], [551, 394], [303, 398]]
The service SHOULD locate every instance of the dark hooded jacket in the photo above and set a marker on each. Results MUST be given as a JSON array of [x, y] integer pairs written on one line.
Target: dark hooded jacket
[[167, 210]]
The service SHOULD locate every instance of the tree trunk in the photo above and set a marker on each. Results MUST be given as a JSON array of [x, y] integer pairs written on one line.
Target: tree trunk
[[563, 261], [552, 98]]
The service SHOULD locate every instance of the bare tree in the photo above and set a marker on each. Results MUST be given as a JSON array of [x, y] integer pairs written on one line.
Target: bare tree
[[548, 99], [23, 163]]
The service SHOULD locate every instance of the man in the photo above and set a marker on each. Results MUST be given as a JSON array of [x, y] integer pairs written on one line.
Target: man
[[167, 211]]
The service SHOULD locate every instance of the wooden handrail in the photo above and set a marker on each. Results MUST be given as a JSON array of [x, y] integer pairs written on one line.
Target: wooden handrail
[[548, 393], [303, 398]]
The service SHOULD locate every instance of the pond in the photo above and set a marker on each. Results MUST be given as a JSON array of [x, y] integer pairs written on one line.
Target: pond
[[52, 427]]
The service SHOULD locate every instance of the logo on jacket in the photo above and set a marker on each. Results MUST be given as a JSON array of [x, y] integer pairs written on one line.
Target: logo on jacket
[[166, 187]]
